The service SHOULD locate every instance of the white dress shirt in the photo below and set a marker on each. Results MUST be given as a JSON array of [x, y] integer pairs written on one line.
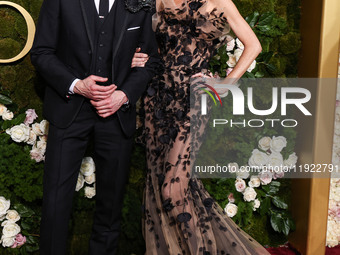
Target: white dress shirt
[[96, 2]]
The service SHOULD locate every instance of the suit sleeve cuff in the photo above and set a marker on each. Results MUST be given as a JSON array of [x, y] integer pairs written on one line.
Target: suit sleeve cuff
[[70, 90]]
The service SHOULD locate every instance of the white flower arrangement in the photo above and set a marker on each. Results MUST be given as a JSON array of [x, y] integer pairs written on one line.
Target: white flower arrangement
[[87, 176], [34, 135], [235, 50], [266, 159], [11, 236]]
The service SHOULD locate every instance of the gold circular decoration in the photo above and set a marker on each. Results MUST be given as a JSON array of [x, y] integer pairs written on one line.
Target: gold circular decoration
[[30, 31]]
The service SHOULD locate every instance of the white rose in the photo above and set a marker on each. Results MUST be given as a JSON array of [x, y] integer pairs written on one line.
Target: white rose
[[238, 54], [90, 192], [90, 179], [233, 167], [2, 109], [257, 204], [254, 181], [232, 60], [249, 194], [32, 138], [43, 138], [275, 161], [252, 66], [265, 177], [87, 166], [36, 129], [239, 44], [231, 45], [44, 125], [41, 145], [19, 133], [278, 143], [12, 215], [37, 154], [80, 182], [240, 185], [231, 210], [10, 229], [278, 174], [291, 160], [258, 158], [7, 241], [264, 143], [4, 206], [242, 173], [7, 115], [5, 222]]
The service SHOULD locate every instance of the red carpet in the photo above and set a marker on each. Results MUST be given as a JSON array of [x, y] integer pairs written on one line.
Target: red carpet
[[283, 250], [289, 250], [333, 251]]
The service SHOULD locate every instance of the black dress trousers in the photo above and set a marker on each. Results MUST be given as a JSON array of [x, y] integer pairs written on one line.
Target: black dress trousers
[[64, 154]]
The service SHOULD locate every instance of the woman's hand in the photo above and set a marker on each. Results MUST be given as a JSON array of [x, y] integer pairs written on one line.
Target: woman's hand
[[202, 75], [139, 59], [212, 81]]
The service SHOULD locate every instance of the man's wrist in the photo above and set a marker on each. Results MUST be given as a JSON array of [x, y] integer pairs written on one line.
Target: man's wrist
[[126, 103], [77, 87], [125, 99], [73, 84]]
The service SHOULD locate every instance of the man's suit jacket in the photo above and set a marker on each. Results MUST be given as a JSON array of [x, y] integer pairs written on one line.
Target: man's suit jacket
[[62, 52]]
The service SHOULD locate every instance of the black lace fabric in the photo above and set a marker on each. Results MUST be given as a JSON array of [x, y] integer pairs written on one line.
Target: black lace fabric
[[180, 215]]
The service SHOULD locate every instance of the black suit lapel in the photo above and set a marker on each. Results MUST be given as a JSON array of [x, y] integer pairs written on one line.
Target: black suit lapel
[[121, 19], [87, 8]]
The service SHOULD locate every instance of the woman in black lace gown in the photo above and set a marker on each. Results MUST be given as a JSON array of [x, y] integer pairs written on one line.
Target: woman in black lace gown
[[180, 216]]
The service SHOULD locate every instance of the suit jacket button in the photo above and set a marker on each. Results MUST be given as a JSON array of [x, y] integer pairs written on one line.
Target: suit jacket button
[[89, 52]]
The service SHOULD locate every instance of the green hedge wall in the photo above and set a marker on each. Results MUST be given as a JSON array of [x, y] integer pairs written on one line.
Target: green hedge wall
[[20, 82]]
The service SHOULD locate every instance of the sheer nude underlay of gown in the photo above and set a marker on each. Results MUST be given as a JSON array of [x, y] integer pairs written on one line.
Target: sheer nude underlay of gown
[[180, 216]]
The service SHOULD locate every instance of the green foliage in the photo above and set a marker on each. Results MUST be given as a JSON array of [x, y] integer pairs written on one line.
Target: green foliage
[[5, 100], [9, 48], [276, 24], [21, 177], [225, 144], [290, 43]]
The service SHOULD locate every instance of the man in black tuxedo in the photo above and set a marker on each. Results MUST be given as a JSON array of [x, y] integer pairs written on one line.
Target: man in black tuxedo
[[83, 49]]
